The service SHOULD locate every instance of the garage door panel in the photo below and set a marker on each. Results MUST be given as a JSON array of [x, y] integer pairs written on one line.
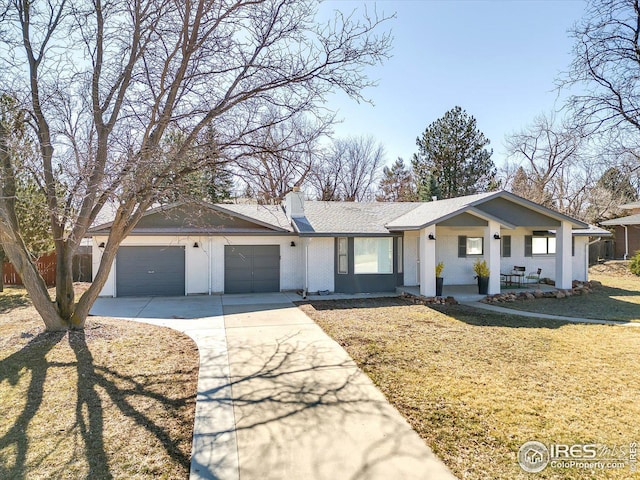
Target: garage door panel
[[150, 270], [252, 268], [266, 286]]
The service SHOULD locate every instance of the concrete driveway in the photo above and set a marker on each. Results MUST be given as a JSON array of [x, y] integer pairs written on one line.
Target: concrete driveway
[[278, 398]]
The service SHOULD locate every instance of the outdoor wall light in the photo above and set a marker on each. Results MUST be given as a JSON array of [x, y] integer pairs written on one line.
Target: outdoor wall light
[[293, 244], [496, 236], [101, 245], [432, 236], [195, 245]]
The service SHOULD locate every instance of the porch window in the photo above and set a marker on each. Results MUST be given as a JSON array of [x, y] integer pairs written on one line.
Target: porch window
[[372, 255], [543, 245], [343, 262], [470, 246]]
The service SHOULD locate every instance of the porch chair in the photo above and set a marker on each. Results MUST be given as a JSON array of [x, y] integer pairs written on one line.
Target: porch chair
[[534, 276], [520, 273]]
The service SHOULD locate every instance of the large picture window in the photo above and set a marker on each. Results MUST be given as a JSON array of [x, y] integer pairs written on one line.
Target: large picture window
[[373, 255]]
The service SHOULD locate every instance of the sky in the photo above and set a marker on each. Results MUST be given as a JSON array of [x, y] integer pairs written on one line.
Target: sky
[[498, 60]]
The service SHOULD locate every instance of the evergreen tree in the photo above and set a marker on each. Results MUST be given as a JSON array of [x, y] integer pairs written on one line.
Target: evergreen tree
[[397, 184], [219, 184], [453, 157]]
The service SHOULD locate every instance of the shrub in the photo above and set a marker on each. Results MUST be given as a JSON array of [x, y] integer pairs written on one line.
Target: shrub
[[481, 268], [439, 268], [635, 264]]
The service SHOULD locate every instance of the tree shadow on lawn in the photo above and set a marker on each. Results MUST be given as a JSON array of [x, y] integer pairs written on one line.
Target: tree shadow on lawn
[[30, 357], [89, 412], [11, 301]]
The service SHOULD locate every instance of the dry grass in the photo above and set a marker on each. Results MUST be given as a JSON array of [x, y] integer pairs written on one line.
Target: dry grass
[[617, 299], [115, 401], [477, 385]]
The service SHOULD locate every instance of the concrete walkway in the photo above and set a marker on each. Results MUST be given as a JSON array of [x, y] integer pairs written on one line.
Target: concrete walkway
[[521, 313], [278, 398]]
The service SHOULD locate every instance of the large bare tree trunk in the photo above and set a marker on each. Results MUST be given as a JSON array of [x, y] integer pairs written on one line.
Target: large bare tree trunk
[[64, 281]]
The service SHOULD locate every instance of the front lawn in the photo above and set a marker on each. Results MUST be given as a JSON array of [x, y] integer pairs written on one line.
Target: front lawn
[[114, 401], [476, 385], [617, 299]]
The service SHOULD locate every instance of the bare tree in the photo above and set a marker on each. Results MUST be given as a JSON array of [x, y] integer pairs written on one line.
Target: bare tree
[[546, 165], [606, 67], [349, 170], [103, 83], [283, 156]]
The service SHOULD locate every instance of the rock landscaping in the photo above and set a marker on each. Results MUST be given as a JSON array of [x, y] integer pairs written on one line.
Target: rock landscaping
[[578, 288], [420, 300]]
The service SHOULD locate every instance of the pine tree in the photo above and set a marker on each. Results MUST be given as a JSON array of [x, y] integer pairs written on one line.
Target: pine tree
[[397, 184], [453, 151]]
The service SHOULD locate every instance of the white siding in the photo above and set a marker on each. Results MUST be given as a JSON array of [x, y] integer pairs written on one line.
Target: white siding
[[321, 264], [209, 257], [459, 271]]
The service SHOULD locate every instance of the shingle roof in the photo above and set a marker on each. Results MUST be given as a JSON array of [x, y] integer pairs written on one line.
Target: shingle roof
[[350, 217], [629, 220], [268, 215], [427, 213]]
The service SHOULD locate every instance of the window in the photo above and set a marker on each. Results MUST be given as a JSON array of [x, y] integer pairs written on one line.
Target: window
[[474, 245], [372, 255], [537, 245], [470, 246], [543, 245], [400, 259], [343, 249]]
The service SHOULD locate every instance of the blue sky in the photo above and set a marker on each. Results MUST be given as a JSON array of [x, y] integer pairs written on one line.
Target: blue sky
[[496, 59]]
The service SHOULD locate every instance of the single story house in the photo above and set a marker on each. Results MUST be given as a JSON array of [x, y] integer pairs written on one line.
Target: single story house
[[626, 231], [341, 246]]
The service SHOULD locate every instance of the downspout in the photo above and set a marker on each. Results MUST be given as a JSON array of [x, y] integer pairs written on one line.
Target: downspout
[[626, 242], [209, 267], [306, 268]]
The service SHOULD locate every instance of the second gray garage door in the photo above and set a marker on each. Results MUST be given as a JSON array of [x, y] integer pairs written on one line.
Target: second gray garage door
[[145, 271], [251, 268]]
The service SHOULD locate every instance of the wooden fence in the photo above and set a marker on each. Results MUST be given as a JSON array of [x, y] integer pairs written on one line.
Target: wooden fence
[[46, 265]]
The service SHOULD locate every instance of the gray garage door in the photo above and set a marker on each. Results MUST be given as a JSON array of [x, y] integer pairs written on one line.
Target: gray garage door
[[142, 271], [251, 268]]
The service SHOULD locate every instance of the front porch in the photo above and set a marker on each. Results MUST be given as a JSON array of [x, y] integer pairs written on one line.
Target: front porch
[[469, 293]]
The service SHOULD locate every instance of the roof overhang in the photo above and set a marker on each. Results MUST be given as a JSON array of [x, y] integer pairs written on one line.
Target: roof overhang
[[544, 217], [104, 228]]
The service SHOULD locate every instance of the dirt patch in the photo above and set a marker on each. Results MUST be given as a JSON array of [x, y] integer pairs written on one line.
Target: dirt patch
[[612, 268]]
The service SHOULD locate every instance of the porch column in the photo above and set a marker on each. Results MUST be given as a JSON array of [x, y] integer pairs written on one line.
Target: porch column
[[564, 275], [427, 262], [492, 255]]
